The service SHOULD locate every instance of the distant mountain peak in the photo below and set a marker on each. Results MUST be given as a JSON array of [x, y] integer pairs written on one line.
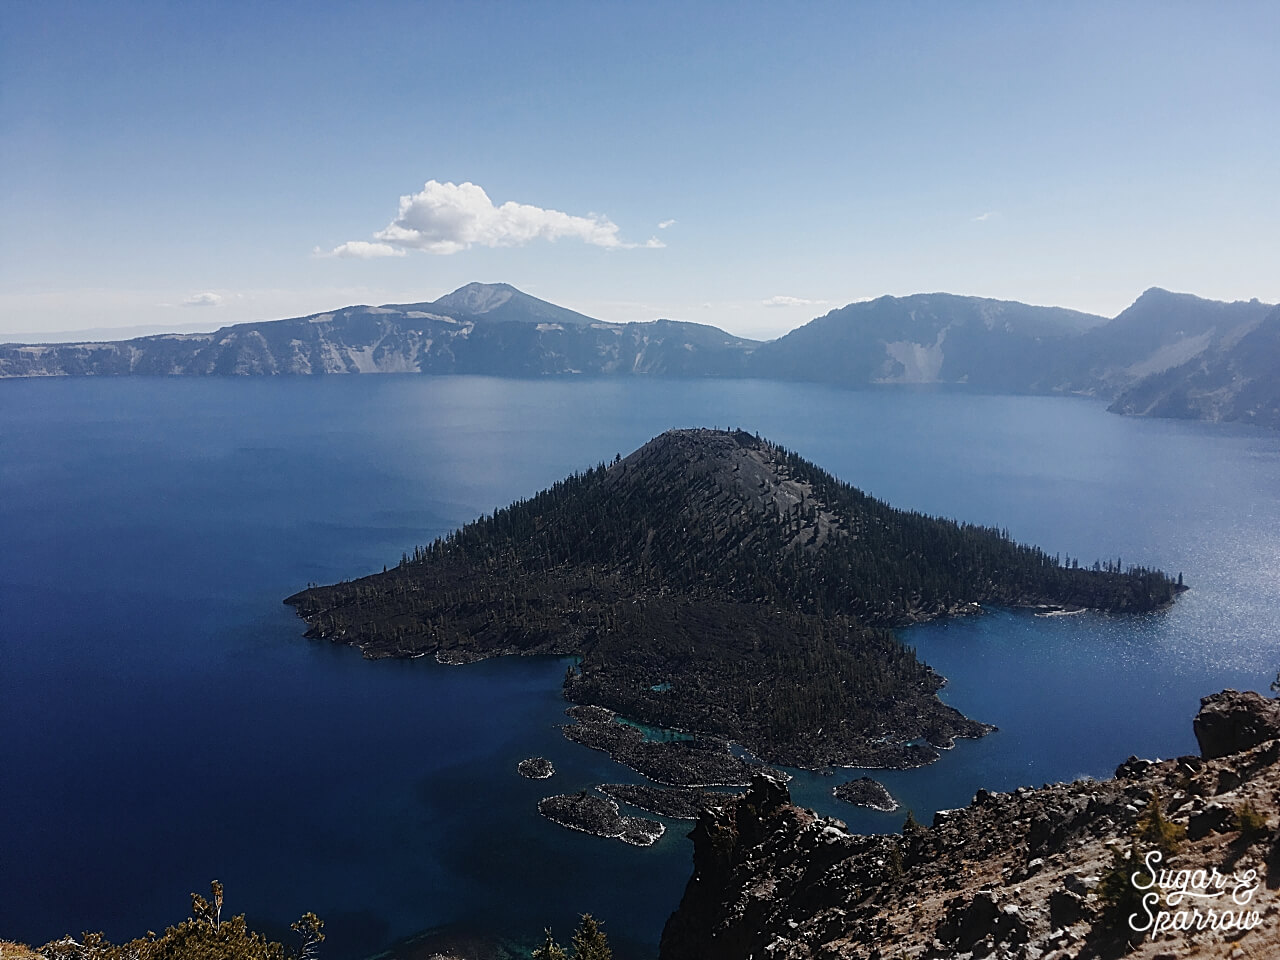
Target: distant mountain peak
[[1204, 312], [480, 297], [1160, 294], [503, 302]]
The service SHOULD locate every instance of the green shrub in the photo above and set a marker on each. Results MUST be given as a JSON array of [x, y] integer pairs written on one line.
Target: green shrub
[[1154, 829], [1252, 824], [1120, 899]]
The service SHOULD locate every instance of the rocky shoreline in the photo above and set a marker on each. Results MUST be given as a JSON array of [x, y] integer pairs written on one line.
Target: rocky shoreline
[[697, 762], [599, 816], [677, 803]]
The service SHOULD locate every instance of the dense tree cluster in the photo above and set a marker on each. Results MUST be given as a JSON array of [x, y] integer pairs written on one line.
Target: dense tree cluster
[[716, 582], [667, 527], [589, 943]]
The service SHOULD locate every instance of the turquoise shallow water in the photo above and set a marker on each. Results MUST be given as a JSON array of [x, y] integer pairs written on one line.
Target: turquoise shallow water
[[165, 723]]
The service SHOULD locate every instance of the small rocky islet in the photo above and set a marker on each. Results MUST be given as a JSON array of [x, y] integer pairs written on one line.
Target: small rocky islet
[[866, 792], [683, 765], [591, 813], [536, 768]]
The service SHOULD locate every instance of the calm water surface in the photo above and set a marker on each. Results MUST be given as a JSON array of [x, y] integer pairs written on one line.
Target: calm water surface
[[163, 722]]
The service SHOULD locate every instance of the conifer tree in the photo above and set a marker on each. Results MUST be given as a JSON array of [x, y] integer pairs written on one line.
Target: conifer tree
[[590, 943], [1156, 830], [911, 826], [550, 950]]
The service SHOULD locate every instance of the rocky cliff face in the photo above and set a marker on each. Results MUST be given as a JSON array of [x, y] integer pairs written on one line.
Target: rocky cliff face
[[1017, 875]]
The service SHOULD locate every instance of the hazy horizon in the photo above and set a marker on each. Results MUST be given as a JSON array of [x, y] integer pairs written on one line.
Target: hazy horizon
[[748, 167], [100, 334]]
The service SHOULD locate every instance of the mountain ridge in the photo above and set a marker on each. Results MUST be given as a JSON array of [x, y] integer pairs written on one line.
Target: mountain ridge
[[1167, 354], [1233, 378], [923, 338], [513, 335]]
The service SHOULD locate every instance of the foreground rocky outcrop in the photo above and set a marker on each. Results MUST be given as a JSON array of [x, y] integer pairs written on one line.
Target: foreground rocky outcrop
[[1229, 722], [1028, 874]]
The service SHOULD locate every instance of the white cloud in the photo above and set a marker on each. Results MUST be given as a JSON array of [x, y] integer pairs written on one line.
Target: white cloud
[[990, 214], [359, 250], [792, 302], [663, 224], [446, 218], [202, 300]]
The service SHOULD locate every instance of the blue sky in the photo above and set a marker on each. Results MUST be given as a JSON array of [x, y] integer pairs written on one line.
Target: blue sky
[[185, 165]]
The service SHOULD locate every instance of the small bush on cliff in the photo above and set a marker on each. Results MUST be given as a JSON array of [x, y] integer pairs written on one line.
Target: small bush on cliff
[[894, 863], [1120, 899], [1154, 829], [1252, 824], [1116, 892]]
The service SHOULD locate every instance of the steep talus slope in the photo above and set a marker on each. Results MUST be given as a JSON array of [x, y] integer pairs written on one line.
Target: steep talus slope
[[1159, 332], [1042, 873], [1237, 379], [715, 582]]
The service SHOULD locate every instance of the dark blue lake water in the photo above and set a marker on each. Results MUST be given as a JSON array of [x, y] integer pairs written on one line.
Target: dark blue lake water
[[163, 722]]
